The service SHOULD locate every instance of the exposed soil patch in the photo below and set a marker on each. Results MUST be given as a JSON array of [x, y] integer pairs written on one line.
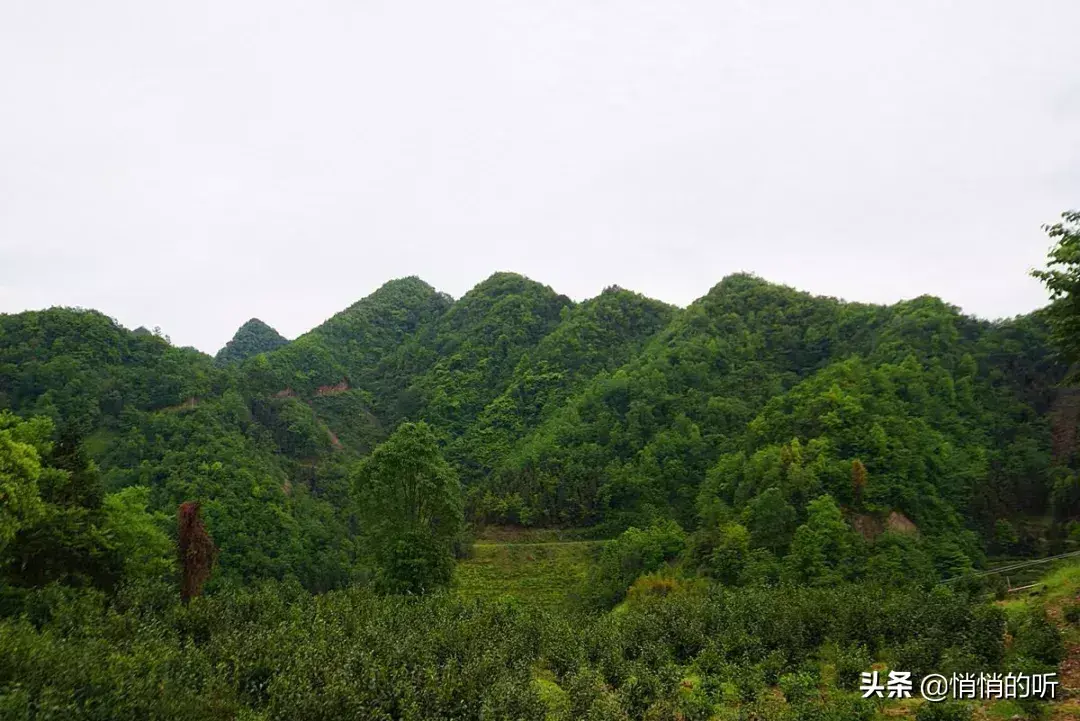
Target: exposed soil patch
[[899, 523], [190, 403], [332, 390], [870, 527], [333, 439]]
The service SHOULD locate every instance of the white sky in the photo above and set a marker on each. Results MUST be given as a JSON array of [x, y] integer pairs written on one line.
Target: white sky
[[193, 164]]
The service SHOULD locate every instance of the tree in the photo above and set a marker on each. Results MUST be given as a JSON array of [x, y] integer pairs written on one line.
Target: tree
[[138, 534], [770, 519], [730, 554], [824, 548], [20, 470], [1062, 279], [411, 509], [197, 550], [633, 553], [66, 540], [858, 480]]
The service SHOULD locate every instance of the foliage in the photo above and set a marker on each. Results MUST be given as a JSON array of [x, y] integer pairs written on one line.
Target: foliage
[[945, 711], [615, 412], [1062, 279], [20, 469], [1037, 638], [139, 536], [274, 651], [729, 553], [547, 574], [67, 539], [410, 503], [784, 479], [251, 339], [824, 549], [632, 554]]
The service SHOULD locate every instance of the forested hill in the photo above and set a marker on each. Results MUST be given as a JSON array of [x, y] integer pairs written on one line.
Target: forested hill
[[251, 339], [923, 426]]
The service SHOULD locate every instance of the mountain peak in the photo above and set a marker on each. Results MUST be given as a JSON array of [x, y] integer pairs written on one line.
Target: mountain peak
[[251, 339]]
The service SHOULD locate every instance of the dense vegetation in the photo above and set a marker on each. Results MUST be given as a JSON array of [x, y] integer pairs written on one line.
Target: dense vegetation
[[772, 469], [252, 338]]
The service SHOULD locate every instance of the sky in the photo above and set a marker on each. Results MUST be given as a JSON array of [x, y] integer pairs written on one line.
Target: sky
[[191, 165]]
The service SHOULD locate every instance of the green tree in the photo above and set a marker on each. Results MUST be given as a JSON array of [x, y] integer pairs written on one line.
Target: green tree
[[824, 548], [770, 519], [411, 508], [20, 470], [633, 553], [729, 557], [139, 535], [66, 541], [1062, 279]]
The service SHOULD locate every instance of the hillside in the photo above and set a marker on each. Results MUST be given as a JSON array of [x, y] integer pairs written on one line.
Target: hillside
[[730, 510], [251, 339], [616, 411]]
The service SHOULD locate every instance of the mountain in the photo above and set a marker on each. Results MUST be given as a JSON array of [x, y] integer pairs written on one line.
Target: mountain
[[457, 364], [251, 339], [352, 347], [638, 443], [597, 336], [172, 421], [613, 412]]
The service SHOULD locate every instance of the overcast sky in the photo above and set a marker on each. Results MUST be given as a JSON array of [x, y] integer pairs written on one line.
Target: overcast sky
[[193, 164]]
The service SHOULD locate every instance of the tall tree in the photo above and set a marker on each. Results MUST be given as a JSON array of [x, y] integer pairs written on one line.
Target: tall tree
[[858, 480], [410, 503], [824, 550], [68, 541], [20, 469], [1062, 279], [197, 551]]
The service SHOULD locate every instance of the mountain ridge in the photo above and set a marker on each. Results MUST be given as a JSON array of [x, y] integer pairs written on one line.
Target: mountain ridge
[[611, 412]]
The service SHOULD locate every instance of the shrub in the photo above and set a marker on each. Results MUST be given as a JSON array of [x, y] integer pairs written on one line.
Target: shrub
[[944, 711], [631, 554], [1038, 639], [799, 687]]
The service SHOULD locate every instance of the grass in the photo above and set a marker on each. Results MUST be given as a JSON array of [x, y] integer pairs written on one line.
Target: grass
[[517, 534], [1056, 590], [1059, 585], [545, 574]]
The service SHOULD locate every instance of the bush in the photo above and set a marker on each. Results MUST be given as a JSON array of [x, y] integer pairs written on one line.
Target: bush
[[275, 651], [851, 663], [1038, 639], [799, 687], [631, 554], [416, 563], [944, 711]]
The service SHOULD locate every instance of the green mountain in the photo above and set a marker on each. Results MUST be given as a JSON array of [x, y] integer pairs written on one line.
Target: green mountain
[[353, 346], [251, 339], [637, 444], [616, 411]]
